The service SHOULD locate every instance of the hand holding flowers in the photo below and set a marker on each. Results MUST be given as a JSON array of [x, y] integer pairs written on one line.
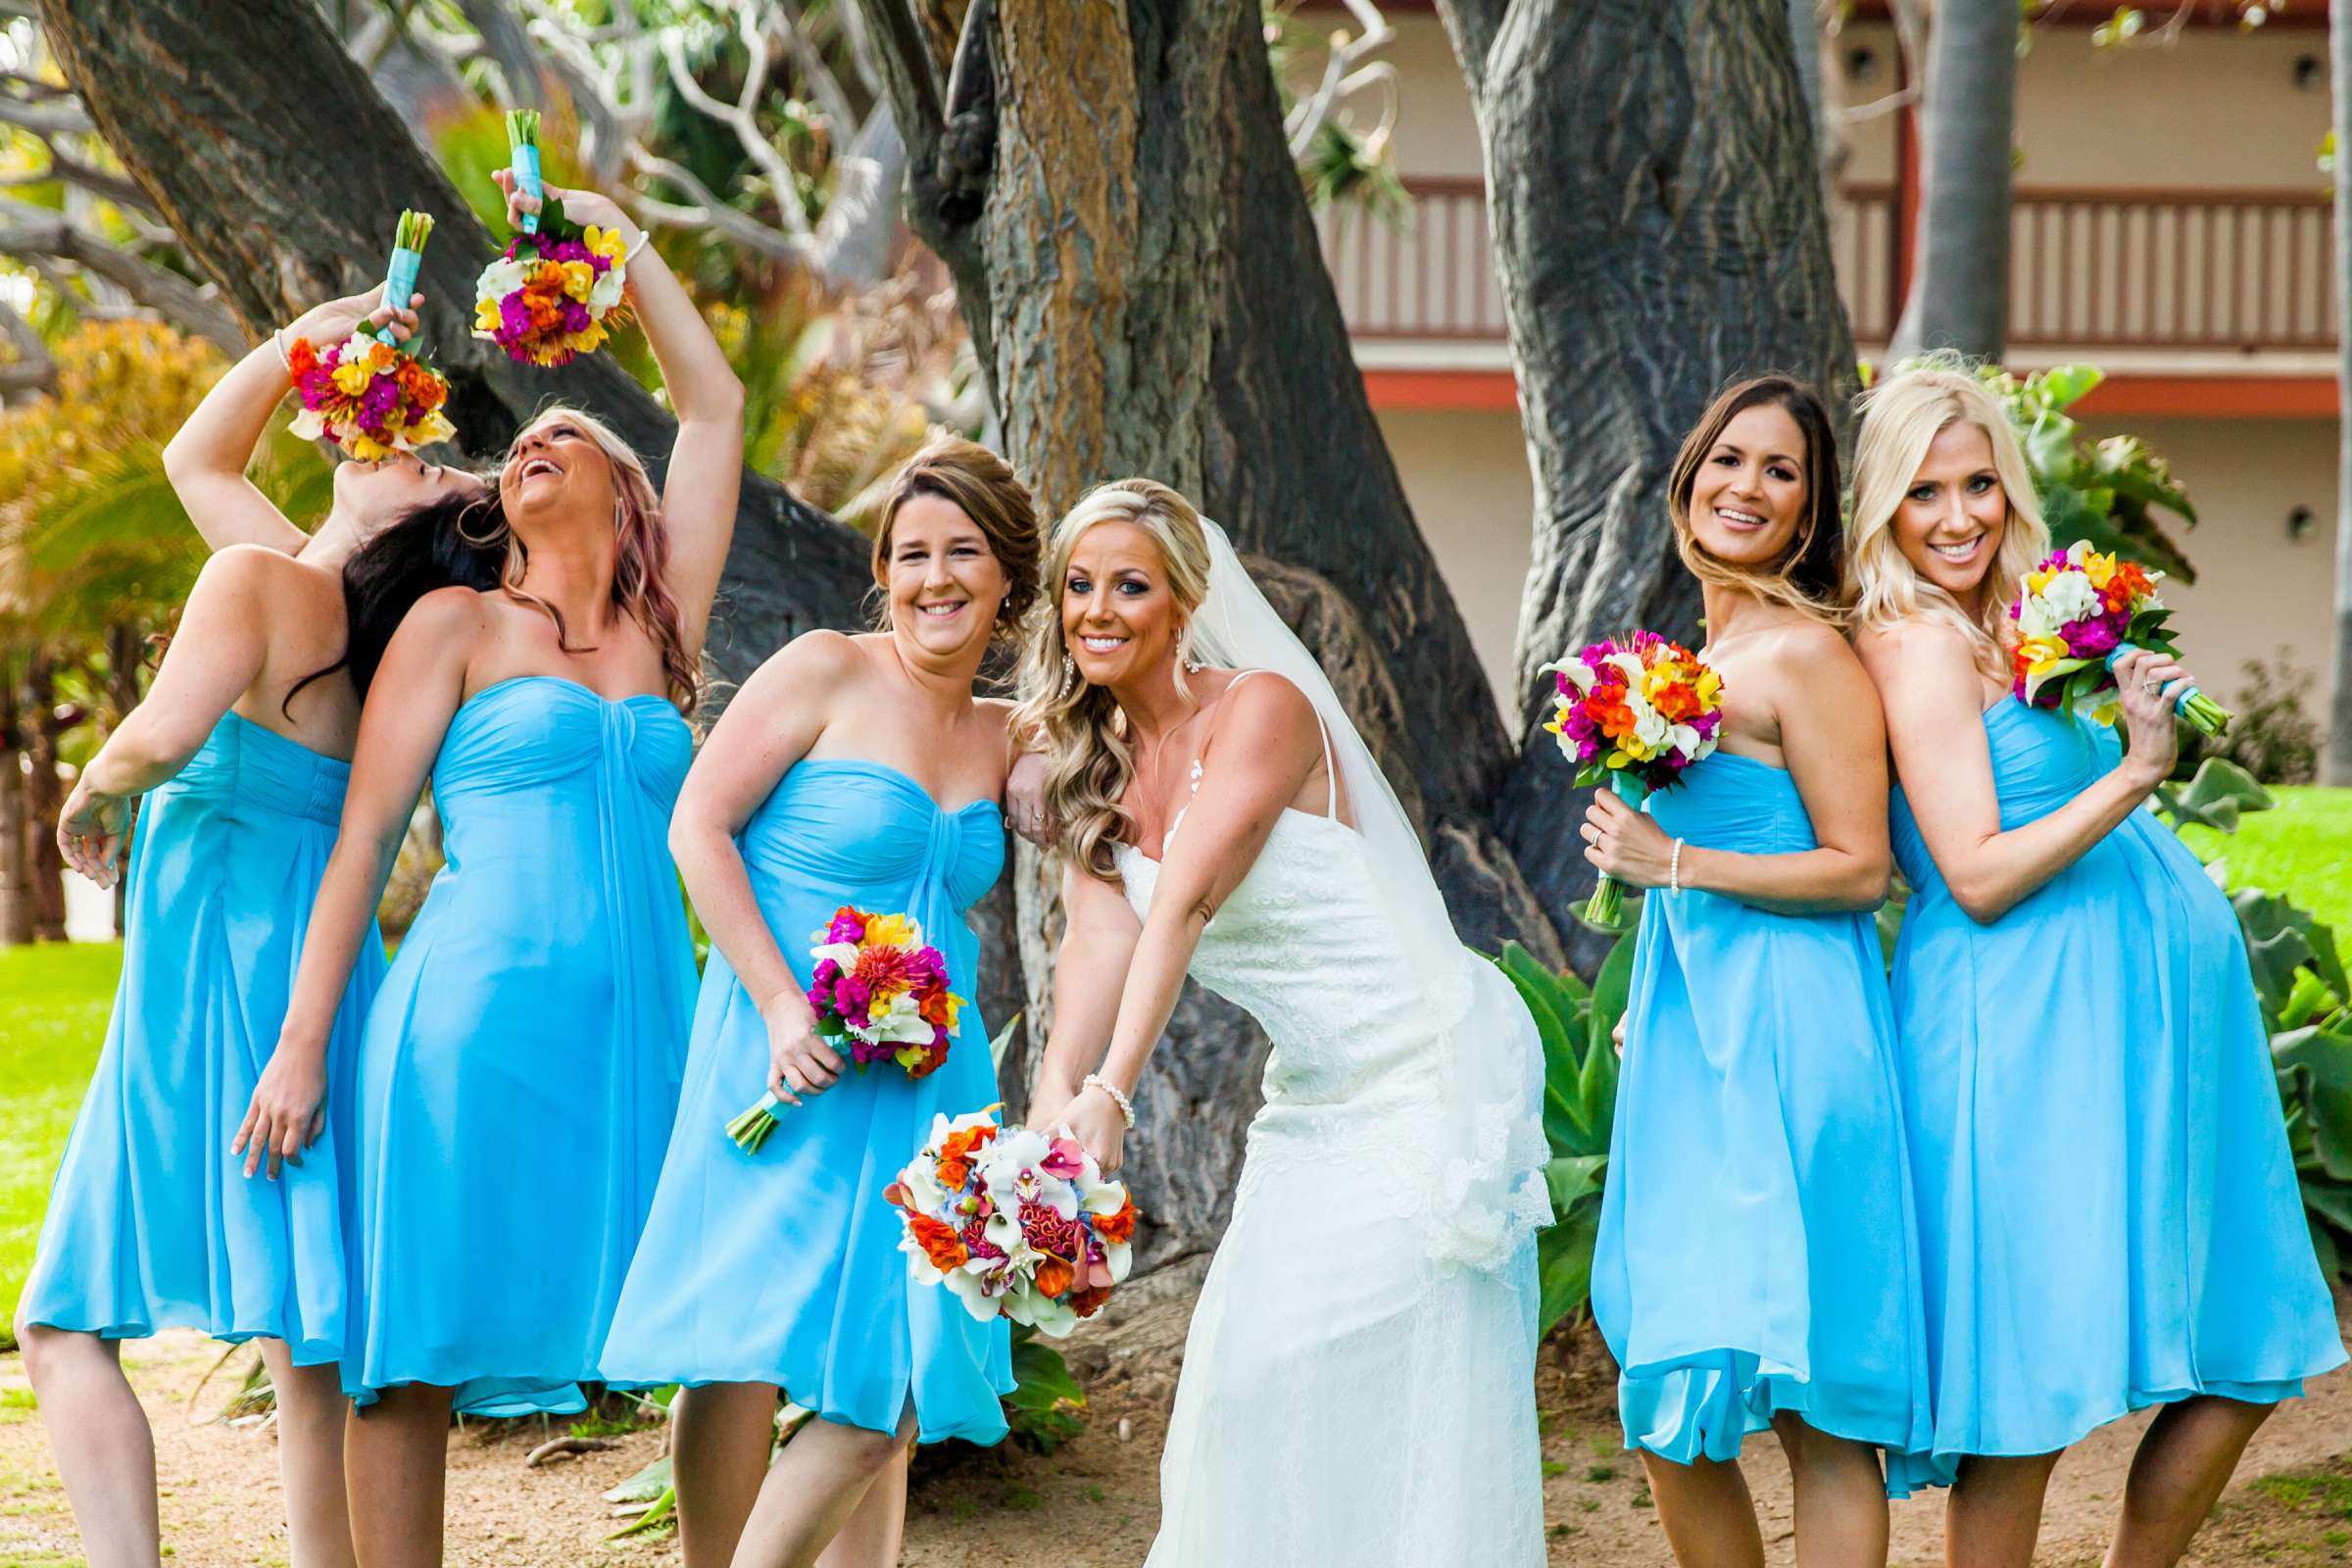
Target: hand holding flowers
[[798, 1060], [2149, 688], [1626, 845], [2078, 615], [1633, 715], [332, 320], [367, 394], [1020, 1224], [555, 294]]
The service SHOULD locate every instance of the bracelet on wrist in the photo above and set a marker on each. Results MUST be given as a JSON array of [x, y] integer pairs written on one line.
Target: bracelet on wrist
[[1095, 1080], [278, 341], [643, 237], [1674, 869]]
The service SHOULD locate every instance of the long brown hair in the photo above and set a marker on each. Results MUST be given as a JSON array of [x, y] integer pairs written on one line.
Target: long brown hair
[[1807, 577], [640, 563], [983, 486]]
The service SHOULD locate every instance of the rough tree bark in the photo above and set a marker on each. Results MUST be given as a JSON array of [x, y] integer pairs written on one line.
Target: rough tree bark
[[215, 110], [1138, 270], [2336, 765], [1659, 230], [1960, 292]]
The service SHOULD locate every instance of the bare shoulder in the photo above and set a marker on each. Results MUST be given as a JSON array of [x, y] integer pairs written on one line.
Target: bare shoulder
[[454, 616], [1811, 655], [998, 710], [1266, 714], [240, 572], [1909, 645]]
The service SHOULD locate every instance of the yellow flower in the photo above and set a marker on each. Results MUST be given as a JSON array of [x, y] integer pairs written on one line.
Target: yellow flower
[[2097, 567], [2039, 652], [578, 278], [605, 242], [2040, 578], [889, 930], [434, 427], [351, 378], [486, 316], [365, 446]]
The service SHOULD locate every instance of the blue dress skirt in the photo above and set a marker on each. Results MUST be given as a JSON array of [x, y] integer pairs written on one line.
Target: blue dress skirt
[[2108, 1209], [520, 1068], [153, 1223], [784, 1266], [1757, 1251]]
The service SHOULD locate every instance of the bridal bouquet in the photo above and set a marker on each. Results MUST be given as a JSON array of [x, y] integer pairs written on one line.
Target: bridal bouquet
[[877, 985], [1633, 714], [367, 394], [2079, 612], [1016, 1223], [556, 291]]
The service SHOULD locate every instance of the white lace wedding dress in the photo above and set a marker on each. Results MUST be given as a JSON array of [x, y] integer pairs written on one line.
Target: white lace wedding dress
[[1347, 1396]]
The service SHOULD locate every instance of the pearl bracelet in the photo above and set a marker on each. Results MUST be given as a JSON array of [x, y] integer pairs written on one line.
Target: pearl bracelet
[[1095, 1080], [643, 237], [1674, 869], [278, 342]]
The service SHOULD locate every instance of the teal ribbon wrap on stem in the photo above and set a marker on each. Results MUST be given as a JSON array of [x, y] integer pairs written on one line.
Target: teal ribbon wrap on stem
[[1607, 907], [527, 182], [400, 285], [2196, 709]]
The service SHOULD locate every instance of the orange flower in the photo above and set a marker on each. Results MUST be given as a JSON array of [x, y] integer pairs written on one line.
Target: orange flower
[[1118, 1227], [302, 357], [939, 1242], [938, 1009], [1054, 1277], [1675, 702], [1089, 1299]]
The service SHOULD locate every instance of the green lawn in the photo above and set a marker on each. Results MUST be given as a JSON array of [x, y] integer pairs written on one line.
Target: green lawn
[[53, 1006], [2303, 849]]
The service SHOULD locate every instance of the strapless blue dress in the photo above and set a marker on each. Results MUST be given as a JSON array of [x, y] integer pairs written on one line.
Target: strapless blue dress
[[520, 1068], [153, 1223], [784, 1266], [1757, 1249], [2108, 1210]]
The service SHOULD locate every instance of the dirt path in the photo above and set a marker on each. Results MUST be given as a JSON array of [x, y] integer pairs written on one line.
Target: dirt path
[[998, 1509]]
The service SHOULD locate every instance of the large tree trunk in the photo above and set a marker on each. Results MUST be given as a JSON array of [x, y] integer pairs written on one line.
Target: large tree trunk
[[1135, 260], [35, 741], [2337, 767], [1659, 230], [217, 112], [16, 883], [1960, 292]]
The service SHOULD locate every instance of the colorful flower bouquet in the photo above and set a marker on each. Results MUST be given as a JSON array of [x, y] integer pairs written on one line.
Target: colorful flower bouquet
[[879, 987], [555, 292], [367, 394], [1016, 1223], [2079, 612], [1633, 715]]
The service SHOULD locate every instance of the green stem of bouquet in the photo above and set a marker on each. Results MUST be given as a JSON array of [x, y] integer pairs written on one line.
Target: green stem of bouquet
[[1607, 907], [751, 1129]]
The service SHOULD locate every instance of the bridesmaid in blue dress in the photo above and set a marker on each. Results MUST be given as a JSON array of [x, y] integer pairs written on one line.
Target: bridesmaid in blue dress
[[518, 1070], [241, 751], [848, 770], [2109, 1213], [1756, 1265]]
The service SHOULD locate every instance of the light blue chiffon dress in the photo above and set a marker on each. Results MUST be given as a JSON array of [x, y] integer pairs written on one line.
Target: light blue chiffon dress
[[784, 1266], [2109, 1213], [520, 1068], [1757, 1249], [153, 1223]]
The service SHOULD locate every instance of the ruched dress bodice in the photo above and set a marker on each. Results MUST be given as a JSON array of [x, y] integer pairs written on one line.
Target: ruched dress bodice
[[539, 1003], [153, 1223], [2098, 1038], [784, 1265]]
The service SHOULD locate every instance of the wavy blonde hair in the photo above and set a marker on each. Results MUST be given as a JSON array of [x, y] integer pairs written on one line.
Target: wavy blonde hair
[[1901, 418], [640, 565], [1080, 726]]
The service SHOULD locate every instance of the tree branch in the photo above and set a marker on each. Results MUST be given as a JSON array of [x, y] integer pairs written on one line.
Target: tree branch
[[26, 230]]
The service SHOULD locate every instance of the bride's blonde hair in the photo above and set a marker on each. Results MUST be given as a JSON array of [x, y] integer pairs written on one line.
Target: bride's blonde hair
[[1901, 417], [1078, 726]]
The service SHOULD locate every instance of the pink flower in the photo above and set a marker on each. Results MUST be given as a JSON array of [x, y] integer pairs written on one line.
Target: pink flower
[[1066, 1158]]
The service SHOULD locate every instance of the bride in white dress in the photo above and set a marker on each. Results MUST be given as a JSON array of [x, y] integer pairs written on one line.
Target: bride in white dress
[[1358, 1382]]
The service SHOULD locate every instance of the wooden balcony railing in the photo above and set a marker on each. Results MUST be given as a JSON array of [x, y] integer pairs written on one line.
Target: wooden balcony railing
[[2091, 267]]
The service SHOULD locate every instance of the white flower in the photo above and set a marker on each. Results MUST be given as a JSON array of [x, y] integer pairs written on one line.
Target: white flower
[[606, 292], [309, 425], [502, 278], [900, 1023], [1579, 673], [2033, 618], [2069, 596]]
